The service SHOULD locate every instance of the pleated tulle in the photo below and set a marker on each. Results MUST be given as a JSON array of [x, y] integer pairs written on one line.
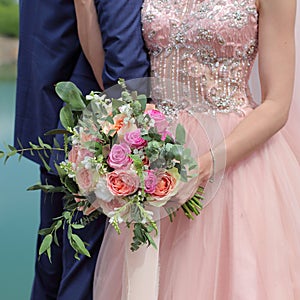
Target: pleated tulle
[[245, 245]]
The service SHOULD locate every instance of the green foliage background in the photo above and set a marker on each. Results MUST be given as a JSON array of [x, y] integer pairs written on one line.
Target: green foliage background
[[9, 18]]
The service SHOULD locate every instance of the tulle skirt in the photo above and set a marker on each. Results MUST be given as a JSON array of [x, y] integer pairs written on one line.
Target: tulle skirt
[[245, 245]]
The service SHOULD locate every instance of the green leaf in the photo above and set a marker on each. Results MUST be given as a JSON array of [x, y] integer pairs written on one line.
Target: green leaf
[[60, 171], [56, 143], [80, 247], [116, 103], [46, 243], [143, 101], [66, 117], [150, 240], [33, 146], [20, 156], [70, 94], [77, 226], [11, 148], [12, 153], [45, 231], [47, 167], [58, 224], [2, 154], [71, 185], [110, 120], [41, 143], [57, 131], [180, 134], [55, 238], [19, 143], [49, 254]]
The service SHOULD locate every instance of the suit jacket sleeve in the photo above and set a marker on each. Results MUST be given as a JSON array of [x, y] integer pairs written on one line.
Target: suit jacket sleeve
[[125, 53]]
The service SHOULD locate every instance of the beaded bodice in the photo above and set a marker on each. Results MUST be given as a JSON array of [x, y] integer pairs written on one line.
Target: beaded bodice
[[208, 46]]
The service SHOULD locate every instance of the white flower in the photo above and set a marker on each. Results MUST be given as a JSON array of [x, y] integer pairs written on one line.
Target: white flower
[[124, 109], [151, 123], [120, 220], [102, 192]]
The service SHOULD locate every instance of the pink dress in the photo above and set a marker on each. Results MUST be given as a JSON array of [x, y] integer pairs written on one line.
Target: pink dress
[[245, 245]]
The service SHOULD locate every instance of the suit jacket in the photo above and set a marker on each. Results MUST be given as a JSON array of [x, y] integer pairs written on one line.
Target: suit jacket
[[50, 52]]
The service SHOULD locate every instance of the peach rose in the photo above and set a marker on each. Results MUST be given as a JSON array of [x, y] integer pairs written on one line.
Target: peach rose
[[166, 187], [122, 182], [119, 126]]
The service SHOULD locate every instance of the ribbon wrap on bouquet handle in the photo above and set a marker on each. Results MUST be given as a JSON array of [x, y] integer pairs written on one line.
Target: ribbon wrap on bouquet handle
[[141, 271]]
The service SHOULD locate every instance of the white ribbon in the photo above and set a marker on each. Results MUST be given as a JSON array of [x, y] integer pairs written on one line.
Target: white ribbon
[[141, 271]]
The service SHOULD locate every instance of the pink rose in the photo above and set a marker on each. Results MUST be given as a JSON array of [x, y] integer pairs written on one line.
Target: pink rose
[[165, 185], [84, 179], [82, 154], [134, 139], [118, 157], [122, 183], [150, 182], [159, 118]]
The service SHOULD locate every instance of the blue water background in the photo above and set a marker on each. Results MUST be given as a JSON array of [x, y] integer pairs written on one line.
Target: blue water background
[[19, 209]]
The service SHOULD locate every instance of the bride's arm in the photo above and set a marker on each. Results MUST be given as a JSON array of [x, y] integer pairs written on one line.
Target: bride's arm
[[90, 36], [276, 69]]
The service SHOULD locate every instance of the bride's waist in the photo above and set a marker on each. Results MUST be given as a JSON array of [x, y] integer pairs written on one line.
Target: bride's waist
[[172, 103]]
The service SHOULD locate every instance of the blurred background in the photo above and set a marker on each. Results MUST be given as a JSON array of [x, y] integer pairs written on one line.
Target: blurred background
[[19, 212]]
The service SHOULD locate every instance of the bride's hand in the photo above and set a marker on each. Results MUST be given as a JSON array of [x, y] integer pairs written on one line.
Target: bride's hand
[[205, 167]]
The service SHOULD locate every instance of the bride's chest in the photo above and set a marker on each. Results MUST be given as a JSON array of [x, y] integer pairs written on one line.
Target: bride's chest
[[190, 23]]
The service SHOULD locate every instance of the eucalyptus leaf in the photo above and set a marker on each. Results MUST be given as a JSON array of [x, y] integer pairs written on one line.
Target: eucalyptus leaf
[[80, 245], [43, 187], [12, 153], [46, 243], [58, 224], [180, 134], [55, 239], [19, 143], [77, 226], [45, 231], [46, 165], [109, 119], [117, 103], [11, 148], [143, 101], [71, 185], [70, 94], [66, 117], [57, 131], [150, 240]]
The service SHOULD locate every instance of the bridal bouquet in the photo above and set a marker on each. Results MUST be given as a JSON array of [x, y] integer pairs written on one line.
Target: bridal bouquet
[[121, 159]]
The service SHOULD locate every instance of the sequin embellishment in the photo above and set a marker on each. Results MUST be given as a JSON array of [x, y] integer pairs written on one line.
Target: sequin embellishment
[[206, 46]]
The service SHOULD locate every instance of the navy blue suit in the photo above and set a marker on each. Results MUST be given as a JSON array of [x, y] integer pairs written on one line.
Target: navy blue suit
[[50, 52]]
